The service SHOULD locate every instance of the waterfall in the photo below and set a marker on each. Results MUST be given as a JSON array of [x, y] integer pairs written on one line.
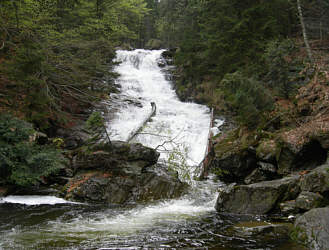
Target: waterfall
[[179, 130]]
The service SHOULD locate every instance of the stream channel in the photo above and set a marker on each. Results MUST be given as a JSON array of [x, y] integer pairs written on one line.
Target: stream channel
[[180, 130]]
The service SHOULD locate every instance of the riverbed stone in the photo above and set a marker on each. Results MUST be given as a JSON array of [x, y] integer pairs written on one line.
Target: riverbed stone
[[257, 198], [312, 228], [308, 200], [263, 229]]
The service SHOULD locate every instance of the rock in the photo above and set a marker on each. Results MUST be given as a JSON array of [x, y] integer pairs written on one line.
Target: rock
[[266, 151], [258, 198], [234, 166], [316, 181], [263, 229], [108, 187], [309, 200], [264, 172], [73, 137], [256, 176], [161, 62], [300, 157], [312, 228], [267, 167], [118, 156], [289, 207]]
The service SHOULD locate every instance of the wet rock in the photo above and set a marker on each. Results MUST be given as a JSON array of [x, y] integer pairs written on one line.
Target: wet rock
[[118, 156], [312, 228], [309, 200], [161, 62], [108, 187], [263, 229], [289, 207], [258, 198]]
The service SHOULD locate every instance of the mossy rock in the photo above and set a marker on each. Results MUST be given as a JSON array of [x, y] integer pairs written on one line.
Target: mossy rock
[[267, 150]]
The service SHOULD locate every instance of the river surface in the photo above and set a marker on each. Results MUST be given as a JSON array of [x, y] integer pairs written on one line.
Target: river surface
[[179, 131]]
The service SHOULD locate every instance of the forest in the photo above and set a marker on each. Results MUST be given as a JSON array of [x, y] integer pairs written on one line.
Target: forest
[[240, 57]]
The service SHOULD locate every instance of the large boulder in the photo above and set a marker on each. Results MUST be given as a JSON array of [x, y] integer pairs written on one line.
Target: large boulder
[[309, 200], [257, 198], [109, 187], [316, 181], [118, 173], [312, 228], [299, 156], [119, 157], [234, 166]]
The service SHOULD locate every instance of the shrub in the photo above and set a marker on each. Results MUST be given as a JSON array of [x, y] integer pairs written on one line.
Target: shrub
[[247, 97], [22, 161]]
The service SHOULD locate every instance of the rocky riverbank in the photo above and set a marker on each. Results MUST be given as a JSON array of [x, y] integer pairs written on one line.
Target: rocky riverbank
[[112, 173], [281, 169]]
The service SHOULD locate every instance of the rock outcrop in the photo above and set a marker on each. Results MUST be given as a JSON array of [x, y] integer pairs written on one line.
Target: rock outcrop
[[289, 195], [312, 228], [119, 173], [258, 198]]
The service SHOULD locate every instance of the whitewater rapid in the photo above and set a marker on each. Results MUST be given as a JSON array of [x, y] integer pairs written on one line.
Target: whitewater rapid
[[178, 126]]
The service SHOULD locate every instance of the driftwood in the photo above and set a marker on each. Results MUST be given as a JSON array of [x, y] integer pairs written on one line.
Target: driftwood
[[204, 165], [136, 131]]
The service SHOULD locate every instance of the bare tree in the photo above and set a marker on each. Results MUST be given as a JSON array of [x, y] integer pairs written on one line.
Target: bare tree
[[301, 19]]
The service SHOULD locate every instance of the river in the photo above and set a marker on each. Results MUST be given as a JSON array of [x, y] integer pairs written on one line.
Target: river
[[180, 132]]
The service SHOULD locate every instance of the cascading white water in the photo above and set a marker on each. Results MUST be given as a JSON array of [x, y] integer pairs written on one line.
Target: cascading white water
[[189, 222], [182, 128]]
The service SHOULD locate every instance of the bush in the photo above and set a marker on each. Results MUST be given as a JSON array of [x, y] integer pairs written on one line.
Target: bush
[[22, 161], [247, 97]]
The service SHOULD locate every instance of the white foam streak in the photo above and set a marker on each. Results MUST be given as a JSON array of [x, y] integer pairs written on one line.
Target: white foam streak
[[33, 200]]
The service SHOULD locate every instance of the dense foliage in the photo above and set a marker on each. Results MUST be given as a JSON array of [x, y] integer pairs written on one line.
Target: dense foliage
[[55, 55], [22, 161], [235, 55]]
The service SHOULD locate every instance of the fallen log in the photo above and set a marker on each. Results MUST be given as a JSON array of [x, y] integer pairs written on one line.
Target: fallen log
[[147, 119]]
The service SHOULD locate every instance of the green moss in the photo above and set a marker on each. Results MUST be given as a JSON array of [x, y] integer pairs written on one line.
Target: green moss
[[299, 235]]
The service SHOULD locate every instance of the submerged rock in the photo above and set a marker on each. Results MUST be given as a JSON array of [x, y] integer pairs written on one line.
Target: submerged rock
[[312, 228], [263, 229]]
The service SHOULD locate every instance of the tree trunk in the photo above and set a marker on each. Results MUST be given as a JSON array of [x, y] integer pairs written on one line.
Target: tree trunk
[[301, 19], [136, 131]]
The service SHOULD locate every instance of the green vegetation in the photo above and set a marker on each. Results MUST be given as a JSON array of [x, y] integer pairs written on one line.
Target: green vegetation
[[22, 161], [55, 55]]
